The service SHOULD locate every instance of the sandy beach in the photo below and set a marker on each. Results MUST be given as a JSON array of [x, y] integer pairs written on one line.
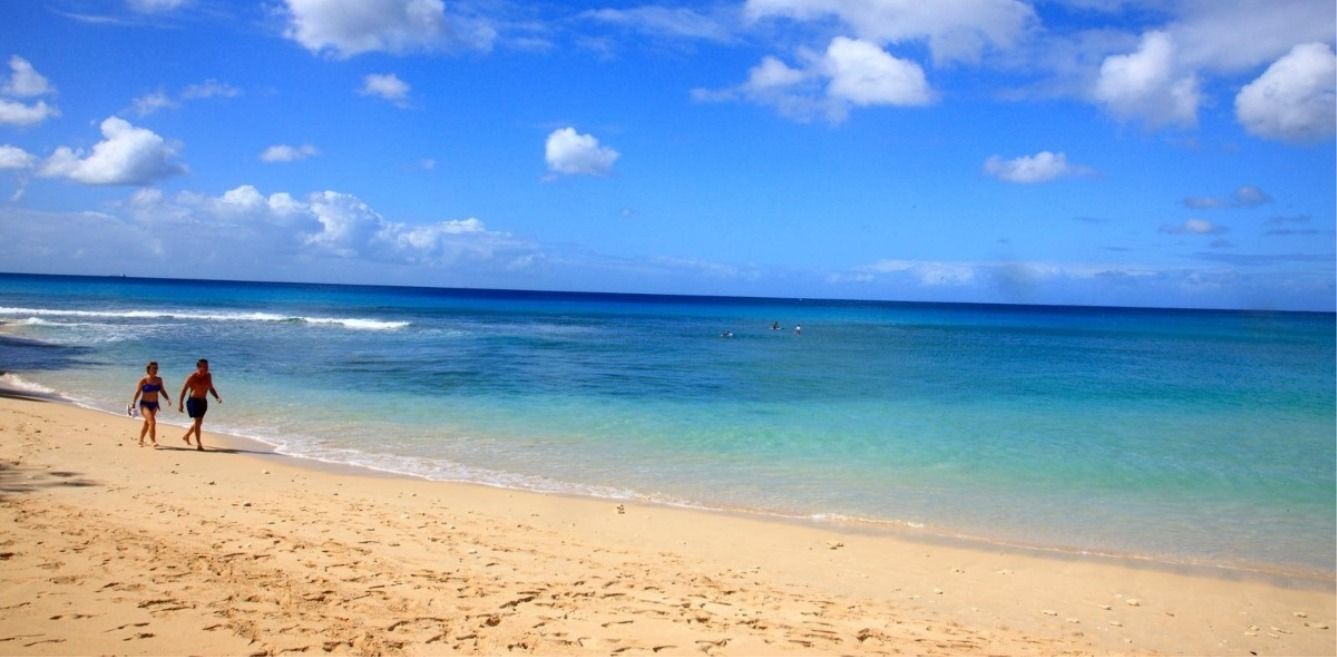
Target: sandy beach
[[112, 548]]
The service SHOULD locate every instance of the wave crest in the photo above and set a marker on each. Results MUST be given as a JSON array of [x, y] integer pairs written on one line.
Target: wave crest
[[15, 382], [353, 323]]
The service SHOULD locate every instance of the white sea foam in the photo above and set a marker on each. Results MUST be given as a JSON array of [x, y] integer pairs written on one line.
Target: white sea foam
[[38, 321], [16, 382], [433, 469], [354, 323], [83, 333]]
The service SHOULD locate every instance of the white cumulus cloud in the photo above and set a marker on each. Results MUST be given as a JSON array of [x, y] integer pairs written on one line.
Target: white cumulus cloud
[[346, 222], [16, 113], [286, 153], [126, 156], [1146, 84], [864, 74], [850, 73], [13, 157], [349, 228], [571, 153], [386, 86], [344, 28], [24, 81], [1041, 167], [329, 223], [1293, 100]]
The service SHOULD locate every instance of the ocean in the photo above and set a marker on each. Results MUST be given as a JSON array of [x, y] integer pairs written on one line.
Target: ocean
[[1174, 436]]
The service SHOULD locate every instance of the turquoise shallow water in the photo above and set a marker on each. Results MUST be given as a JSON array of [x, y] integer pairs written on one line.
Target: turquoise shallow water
[[1185, 436]]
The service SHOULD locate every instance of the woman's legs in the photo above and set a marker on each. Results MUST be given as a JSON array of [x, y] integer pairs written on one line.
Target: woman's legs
[[150, 423]]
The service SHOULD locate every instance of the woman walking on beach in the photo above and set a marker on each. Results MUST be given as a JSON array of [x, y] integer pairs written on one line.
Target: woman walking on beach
[[200, 384], [146, 394]]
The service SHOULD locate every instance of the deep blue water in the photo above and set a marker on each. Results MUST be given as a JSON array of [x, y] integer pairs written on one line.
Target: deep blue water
[[1189, 436]]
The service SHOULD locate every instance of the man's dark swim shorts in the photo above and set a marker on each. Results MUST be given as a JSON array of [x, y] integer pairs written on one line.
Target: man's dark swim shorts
[[197, 407]]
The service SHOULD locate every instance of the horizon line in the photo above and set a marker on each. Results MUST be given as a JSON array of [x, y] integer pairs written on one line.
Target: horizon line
[[660, 295]]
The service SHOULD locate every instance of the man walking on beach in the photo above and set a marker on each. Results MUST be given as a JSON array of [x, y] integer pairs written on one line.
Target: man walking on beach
[[201, 385]]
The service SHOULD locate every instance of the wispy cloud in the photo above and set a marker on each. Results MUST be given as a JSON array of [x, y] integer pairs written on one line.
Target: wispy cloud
[[210, 88], [1282, 220], [286, 153], [1255, 259], [1297, 231], [670, 22], [151, 103], [1194, 227], [160, 99], [1041, 167], [954, 32], [155, 6], [1246, 196], [386, 86]]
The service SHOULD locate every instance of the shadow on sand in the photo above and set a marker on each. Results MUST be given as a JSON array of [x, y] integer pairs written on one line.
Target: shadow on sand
[[21, 479], [218, 450]]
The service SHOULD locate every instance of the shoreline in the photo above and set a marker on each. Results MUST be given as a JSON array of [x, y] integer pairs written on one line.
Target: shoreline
[[227, 552], [1274, 574]]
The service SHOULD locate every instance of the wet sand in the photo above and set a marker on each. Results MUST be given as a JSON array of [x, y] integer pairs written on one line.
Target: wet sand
[[112, 548]]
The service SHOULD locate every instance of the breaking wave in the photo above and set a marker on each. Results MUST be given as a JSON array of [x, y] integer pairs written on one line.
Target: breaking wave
[[353, 323]]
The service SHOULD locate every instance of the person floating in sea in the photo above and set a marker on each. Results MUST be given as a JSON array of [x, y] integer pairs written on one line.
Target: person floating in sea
[[775, 326], [797, 329], [200, 384], [146, 395]]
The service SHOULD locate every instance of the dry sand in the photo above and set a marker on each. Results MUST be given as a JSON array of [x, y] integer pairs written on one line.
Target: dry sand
[[110, 548]]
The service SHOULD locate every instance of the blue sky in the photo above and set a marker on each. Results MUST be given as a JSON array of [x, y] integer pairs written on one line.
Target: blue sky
[[1098, 152]]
